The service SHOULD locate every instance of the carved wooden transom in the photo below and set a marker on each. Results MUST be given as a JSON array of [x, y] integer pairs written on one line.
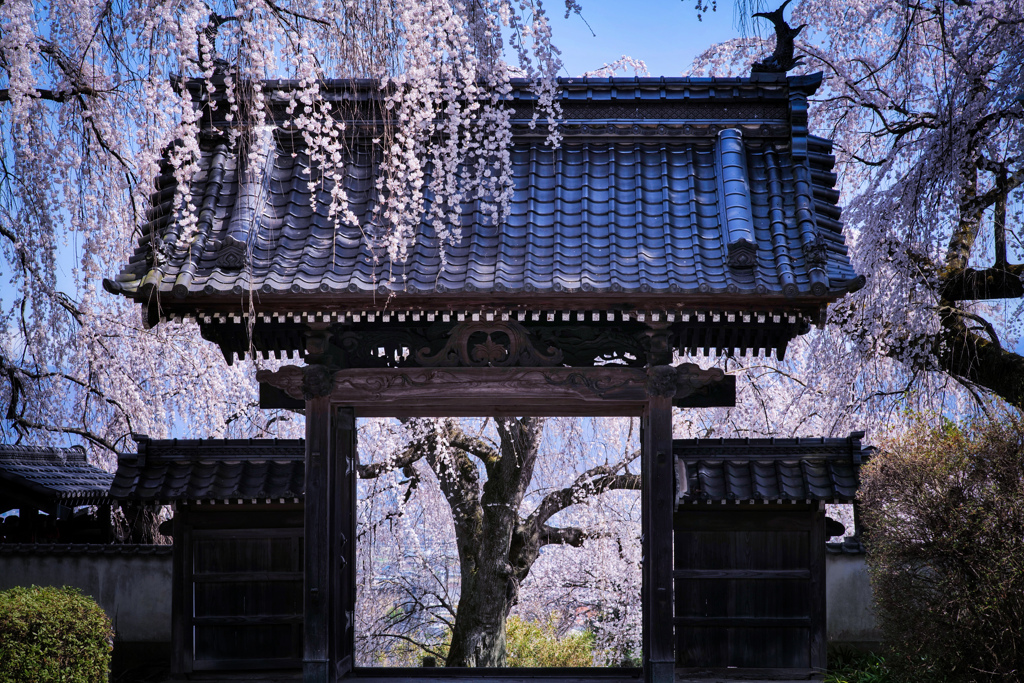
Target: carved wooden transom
[[489, 344]]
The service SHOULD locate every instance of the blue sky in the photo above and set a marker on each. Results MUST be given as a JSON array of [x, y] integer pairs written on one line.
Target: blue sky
[[663, 33]]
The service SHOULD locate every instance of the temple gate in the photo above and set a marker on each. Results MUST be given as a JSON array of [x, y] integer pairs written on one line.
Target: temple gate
[[679, 216]]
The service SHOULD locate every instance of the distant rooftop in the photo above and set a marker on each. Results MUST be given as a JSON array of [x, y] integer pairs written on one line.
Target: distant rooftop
[[45, 478], [171, 470]]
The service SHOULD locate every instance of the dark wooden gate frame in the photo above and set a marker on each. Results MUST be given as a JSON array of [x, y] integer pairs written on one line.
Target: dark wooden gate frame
[[333, 399]]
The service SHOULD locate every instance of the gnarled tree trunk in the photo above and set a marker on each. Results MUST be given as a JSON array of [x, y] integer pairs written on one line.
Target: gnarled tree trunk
[[497, 547]]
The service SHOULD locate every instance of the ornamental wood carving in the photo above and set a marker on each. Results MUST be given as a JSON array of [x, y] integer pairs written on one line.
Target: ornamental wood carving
[[488, 343], [496, 344], [316, 381], [690, 378], [588, 345], [667, 381]]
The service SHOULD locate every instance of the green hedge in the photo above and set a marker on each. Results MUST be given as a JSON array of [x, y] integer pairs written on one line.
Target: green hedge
[[53, 635]]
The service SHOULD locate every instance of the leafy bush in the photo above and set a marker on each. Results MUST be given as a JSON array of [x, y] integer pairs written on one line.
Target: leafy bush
[[847, 665], [529, 643], [945, 529], [53, 635]]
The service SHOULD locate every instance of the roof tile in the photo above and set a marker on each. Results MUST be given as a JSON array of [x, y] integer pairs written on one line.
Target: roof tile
[[769, 469], [211, 469], [615, 214], [62, 474]]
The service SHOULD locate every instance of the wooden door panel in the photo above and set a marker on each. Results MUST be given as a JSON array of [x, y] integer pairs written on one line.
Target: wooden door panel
[[233, 645], [281, 598], [748, 648], [245, 607], [744, 590], [785, 598]]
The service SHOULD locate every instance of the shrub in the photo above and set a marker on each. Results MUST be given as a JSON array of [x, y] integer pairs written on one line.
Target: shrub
[[529, 643], [847, 665], [944, 512], [53, 635]]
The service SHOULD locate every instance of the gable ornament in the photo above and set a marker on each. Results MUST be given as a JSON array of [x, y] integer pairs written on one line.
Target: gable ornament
[[782, 59]]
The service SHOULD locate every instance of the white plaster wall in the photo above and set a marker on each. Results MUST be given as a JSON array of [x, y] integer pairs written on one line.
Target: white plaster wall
[[849, 614], [134, 590]]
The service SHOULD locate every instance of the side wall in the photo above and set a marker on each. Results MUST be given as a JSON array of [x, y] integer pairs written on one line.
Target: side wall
[[131, 583], [848, 597]]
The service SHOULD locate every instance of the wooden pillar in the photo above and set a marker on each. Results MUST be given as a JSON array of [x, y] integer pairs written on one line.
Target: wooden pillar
[[344, 542], [320, 487], [181, 594], [658, 473], [818, 611], [645, 551]]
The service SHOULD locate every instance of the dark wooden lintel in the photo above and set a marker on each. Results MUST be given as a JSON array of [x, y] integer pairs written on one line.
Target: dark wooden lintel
[[234, 577], [721, 394], [272, 398], [247, 620], [728, 518], [444, 392]]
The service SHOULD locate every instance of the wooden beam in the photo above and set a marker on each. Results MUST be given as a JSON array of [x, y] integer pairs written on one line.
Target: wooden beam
[[730, 574], [272, 398], [745, 622], [455, 392], [732, 517], [721, 394]]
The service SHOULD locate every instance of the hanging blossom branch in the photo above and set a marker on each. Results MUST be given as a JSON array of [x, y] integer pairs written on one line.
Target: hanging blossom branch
[[924, 104], [93, 103], [623, 64]]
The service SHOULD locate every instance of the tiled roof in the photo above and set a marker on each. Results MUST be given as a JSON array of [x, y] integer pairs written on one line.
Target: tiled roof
[[695, 190], [849, 546], [54, 474], [769, 469], [211, 469]]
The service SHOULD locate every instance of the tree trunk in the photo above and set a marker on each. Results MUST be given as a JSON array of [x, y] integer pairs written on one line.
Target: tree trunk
[[489, 583], [478, 637], [496, 546]]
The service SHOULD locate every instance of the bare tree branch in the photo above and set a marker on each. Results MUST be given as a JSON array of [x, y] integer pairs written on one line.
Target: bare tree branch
[[562, 535], [594, 481]]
